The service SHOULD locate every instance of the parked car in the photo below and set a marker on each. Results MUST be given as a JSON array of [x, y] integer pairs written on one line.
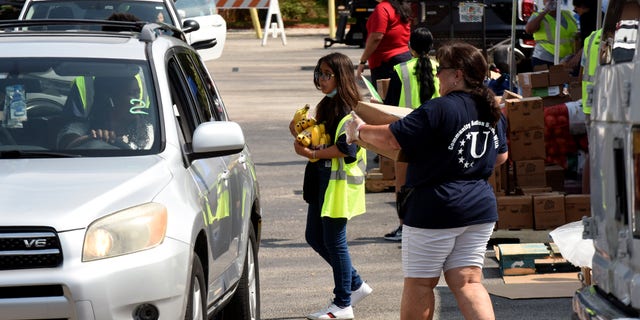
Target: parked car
[[614, 137], [126, 191], [181, 13]]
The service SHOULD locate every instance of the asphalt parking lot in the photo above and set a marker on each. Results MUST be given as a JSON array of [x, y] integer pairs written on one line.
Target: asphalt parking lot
[[262, 86]]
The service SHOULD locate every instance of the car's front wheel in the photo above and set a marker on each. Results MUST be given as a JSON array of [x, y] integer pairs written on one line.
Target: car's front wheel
[[245, 303], [196, 307]]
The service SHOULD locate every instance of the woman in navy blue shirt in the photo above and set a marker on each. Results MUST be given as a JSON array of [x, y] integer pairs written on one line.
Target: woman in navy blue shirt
[[452, 144]]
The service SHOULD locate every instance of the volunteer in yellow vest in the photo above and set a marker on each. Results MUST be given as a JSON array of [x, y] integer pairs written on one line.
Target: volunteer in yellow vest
[[334, 184], [413, 83], [542, 25], [589, 63]]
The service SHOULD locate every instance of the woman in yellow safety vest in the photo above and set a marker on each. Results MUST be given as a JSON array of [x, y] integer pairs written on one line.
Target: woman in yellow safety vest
[[542, 25], [334, 183], [413, 83]]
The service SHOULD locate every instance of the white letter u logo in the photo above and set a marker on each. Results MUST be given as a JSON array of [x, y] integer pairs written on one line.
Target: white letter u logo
[[474, 140]]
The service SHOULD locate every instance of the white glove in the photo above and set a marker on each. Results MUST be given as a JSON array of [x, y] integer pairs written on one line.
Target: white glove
[[353, 128]]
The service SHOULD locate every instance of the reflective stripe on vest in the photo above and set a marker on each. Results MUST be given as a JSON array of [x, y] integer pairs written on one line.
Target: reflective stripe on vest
[[590, 53], [546, 37], [407, 84], [345, 194]]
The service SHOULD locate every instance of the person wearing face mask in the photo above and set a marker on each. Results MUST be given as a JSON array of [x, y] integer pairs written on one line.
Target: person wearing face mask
[[334, 185]]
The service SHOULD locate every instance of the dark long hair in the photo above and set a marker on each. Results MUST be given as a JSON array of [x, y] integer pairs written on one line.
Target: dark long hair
[[331, 110], [403, 9], [470, 60], [421, 41]]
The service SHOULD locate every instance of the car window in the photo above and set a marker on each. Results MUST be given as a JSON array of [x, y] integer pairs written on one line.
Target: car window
[[59, 105], [196, 8], [200, 86], [100, 10]]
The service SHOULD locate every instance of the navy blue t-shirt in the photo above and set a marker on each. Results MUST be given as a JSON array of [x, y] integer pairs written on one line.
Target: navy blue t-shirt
[[451, 154]]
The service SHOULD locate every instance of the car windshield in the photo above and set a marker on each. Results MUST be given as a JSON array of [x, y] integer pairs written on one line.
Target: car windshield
[[99, 10], [196, 8], [79, 107]]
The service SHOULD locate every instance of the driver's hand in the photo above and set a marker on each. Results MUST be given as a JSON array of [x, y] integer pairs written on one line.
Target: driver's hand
[[105, 135]]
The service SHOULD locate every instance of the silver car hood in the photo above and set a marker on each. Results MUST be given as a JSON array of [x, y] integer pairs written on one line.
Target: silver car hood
[[69, 194]]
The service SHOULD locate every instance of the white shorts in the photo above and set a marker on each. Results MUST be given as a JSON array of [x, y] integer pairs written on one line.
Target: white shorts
[[426, 253]]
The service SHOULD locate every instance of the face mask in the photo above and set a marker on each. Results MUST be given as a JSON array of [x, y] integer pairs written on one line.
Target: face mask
[[332, 93]]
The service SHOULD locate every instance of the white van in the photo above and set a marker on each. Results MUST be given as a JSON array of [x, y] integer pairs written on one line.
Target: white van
[[614, 139]]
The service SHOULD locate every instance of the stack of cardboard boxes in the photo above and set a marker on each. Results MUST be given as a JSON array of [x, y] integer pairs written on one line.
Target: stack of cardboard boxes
[[554, 85], [530, 194]]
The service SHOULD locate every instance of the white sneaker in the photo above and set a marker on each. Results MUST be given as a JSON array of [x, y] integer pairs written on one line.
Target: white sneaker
[[333, 312], [361, 293]]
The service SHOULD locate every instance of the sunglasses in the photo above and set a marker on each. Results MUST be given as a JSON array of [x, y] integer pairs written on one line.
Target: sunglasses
[[440, 68], [323, 76]]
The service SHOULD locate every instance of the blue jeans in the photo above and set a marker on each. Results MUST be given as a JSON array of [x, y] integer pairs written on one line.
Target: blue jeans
[[328, 237]]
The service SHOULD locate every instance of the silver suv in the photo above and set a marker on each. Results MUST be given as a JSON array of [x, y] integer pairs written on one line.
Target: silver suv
[[125, 190]]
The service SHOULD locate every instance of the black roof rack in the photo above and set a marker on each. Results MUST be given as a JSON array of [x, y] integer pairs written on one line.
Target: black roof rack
[[148, 31]]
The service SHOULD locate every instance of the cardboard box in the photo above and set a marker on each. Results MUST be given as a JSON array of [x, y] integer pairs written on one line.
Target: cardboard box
[[375, 113], [555, 100], [548, 211], [527, 145], [558, 75], [515, 212], [519, 258], [525, 114], [542, 92], [530, 173], [530, 191], [577, 206], [555, 177], [536, 79]]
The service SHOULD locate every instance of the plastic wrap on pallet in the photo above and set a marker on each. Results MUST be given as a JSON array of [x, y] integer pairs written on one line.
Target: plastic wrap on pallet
[[569, 240]]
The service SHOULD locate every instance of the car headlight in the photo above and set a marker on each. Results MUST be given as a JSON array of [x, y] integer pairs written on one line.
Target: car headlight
[[130, 230]]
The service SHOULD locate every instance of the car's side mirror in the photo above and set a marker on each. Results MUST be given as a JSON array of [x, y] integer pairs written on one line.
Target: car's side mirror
[[215, 139], [190, 26]]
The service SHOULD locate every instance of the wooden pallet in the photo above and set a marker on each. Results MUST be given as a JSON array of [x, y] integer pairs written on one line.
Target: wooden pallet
[[530, 258], [374, 182]]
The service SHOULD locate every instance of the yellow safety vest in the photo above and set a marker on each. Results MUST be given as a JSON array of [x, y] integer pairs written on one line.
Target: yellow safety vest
[[81, 83], [546, 36], [590, 54], [410, 92], [344, 197]]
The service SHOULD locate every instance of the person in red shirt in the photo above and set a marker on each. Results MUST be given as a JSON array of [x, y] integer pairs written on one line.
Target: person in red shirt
[[388, 31]]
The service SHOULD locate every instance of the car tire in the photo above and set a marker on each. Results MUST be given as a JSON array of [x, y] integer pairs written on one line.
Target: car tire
[[245, 303], [196, 305]]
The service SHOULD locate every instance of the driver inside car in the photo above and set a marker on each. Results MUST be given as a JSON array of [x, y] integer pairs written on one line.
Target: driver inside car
[[118, 117]]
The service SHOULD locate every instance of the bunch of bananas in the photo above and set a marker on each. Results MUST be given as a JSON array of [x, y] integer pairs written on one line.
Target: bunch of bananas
[[310, 133]]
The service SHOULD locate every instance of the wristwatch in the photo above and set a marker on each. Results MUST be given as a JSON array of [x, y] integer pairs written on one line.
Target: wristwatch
[[363, 61]]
